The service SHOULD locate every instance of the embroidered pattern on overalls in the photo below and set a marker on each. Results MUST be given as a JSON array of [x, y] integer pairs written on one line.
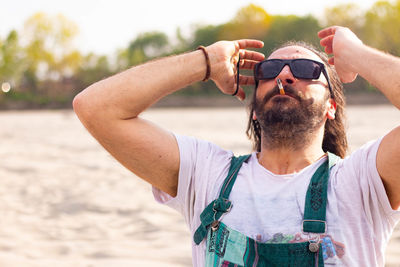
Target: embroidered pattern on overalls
[[316, 195], [218, 245]]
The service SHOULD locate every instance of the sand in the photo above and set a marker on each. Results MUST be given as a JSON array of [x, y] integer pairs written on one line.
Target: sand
[[65, 201]]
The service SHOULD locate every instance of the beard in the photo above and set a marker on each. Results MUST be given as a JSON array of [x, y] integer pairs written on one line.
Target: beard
[[289, 122]]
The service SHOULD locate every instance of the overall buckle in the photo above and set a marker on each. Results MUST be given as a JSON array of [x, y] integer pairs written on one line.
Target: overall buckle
[[317, 221], [215, 223], [314, 238]]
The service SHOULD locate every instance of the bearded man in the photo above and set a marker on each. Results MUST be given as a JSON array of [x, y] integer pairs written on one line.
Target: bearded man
[[296, 200]]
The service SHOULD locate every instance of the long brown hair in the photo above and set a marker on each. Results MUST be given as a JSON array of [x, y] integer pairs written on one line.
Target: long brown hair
[[335, 140]]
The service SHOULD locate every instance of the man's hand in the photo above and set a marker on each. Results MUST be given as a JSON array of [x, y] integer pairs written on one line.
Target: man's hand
[[223, 59], [337, 41], [382, 70]]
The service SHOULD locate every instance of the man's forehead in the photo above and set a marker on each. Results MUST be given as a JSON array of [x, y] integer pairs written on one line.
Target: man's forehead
[[292, 52]]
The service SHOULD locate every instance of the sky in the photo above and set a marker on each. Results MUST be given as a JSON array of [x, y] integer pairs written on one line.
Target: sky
[[106, 25]]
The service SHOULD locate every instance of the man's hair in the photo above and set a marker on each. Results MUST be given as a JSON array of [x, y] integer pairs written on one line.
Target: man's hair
[[335, 140]]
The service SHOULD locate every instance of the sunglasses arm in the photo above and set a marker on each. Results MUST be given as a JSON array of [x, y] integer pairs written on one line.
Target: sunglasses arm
[[327, 79]]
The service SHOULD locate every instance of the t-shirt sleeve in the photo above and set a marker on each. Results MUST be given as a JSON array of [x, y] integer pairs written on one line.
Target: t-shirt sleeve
[[366, 187], [201, 171]]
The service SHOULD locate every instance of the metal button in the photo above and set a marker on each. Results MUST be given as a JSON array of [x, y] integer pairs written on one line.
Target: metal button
[[215, 225], [313, 247]]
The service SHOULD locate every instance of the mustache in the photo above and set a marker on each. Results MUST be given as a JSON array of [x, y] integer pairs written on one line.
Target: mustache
[[289, 90]]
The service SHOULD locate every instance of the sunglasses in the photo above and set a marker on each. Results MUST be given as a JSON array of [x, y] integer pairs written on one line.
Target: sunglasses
[[301, 68]]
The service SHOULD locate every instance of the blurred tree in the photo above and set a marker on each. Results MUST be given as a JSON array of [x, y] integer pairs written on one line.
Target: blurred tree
[[69, 63], [92, 69], [122, 59], [382, 26], [49, 46], [205, 35], [346, 15], [43, 56], [285, 28], [145, 46], [251, 21], [11, 60], [182, 43]]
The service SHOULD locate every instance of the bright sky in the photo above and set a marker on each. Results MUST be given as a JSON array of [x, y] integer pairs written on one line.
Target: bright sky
[[106, 25]]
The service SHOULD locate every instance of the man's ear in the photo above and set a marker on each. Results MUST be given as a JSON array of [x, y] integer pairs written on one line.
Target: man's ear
[[330, 114]]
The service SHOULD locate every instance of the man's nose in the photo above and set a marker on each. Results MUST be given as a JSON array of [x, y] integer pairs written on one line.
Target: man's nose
[[286, 76]]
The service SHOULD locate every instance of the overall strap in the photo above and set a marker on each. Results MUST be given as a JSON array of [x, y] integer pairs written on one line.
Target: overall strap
[[236, 163], [315, 206], [219, 206]]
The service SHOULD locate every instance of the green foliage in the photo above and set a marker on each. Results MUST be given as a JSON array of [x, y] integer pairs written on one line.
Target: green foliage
[[382, 27], [93, 68], [250, 22], [285, 28], [49, 41], [205, 35], [11, 59], [48, 70], [145, 46], [181, 44], [30, 98], [346, 15]]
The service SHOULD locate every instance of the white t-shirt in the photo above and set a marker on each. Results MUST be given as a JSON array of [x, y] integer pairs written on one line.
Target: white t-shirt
[[269, 207]]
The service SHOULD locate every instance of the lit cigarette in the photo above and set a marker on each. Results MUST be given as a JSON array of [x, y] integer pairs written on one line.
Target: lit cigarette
[[281, 90]]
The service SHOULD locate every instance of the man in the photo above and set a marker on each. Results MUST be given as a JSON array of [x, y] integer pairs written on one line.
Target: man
[[276, 207]]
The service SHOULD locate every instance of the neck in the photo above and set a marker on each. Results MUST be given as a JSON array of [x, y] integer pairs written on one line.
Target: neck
[[285, 160]]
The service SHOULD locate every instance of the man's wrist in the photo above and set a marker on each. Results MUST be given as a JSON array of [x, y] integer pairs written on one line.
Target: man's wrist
[[208, 65]]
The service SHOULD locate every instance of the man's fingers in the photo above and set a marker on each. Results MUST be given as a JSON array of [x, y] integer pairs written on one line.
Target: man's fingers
[[245, 43], [329, 49], [251, 55], [247, 64], [327, 31], [240, 94], [246, 80], [326, 41]]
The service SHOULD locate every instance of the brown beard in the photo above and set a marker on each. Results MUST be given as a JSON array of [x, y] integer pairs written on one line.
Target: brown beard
[[287, 124]]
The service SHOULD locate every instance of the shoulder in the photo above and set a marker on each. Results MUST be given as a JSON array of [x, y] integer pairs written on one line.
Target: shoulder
[[204, 163], [357, 170], [202, 169], [201, 151], [360, 160]]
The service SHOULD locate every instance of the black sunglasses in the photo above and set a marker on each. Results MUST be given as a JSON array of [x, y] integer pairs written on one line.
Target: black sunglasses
[[301, 68]]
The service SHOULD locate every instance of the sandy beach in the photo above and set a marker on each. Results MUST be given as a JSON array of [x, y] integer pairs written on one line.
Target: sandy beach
[[65, 201]]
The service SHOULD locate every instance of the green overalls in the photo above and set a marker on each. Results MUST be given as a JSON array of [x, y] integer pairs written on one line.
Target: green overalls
[[227, 247]]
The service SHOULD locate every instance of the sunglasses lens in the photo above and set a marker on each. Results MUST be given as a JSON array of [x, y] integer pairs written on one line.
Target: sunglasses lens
[[300, 68], [268, 69], [306, 69]]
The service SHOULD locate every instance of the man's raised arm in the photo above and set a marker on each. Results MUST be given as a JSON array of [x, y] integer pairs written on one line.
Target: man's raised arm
[[110, 108], [351, 56]]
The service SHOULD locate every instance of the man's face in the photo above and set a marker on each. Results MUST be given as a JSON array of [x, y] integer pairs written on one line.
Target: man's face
[[313, 90], [289, 119]]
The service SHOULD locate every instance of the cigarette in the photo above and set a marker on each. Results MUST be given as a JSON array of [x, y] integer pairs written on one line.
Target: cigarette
[[281, 90]]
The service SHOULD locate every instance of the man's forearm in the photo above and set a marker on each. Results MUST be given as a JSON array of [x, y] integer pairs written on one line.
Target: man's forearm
[[109, 109], [126, 94], [380, 69]]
